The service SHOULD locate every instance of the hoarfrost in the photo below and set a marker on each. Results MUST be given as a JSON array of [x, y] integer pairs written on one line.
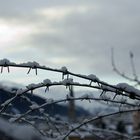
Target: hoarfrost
[[31, 64], [34, 106], [5, 62], [93, 77], [67, 81], [31, 86], [128, 88], [49, 101], [47, 82], [64, 69]]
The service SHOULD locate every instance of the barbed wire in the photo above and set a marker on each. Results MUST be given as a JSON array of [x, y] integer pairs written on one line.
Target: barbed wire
[[121, 89]]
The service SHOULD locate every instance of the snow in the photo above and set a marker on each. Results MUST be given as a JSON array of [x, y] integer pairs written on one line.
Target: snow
[[31, 86], [94, 78], [12, 119], [19, 91], [34, 106], [67, 81], [7, 102], [55, 83], [5, 62], [24, 132], [128, 88], [5, 88], [41, 110], [64, 69], [105, 97], [47, 82], [123, 100], [49, 101], [18, 132], [30, 64]]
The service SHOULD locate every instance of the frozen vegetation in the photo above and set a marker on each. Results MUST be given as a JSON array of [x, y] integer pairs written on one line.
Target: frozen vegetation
[[35, 123]]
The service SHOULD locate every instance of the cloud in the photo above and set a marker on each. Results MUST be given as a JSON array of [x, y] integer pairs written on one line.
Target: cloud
[[76, 34]]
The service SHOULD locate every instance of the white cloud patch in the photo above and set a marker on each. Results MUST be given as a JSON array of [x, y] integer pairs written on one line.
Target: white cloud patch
[[59, 12], [72, 33], [11, 34]]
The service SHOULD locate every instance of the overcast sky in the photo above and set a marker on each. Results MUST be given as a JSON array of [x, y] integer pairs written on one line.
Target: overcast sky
[[78, 34]]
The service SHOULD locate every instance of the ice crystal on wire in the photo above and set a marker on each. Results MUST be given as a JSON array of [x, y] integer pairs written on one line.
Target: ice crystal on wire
[[94, 78], [5, 62], [31, 64], [34, 106], [128, 88], [47, 82], [64, 69], [67, 81], [31, 86]]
